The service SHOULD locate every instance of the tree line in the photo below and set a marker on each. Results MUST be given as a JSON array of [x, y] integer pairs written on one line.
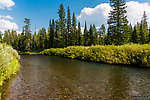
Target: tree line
[[66, 31]]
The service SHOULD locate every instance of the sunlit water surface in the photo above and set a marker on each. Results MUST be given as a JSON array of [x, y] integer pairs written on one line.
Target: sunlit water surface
[[48, 78]]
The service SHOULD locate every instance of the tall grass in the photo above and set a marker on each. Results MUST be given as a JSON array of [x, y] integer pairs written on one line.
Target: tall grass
[[8, 62], [126, 54]]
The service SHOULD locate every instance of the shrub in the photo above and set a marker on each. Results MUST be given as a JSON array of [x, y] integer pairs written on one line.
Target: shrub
[[8, 62], [126, 54]]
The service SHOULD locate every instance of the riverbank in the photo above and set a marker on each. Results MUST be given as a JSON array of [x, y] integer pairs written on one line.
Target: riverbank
[[125, 54], [9, 62]]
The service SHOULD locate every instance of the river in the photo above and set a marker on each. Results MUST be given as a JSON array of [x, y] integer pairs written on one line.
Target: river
[[49, 77]]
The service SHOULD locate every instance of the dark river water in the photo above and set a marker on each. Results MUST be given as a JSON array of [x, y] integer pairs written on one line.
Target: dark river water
[[49, 78]]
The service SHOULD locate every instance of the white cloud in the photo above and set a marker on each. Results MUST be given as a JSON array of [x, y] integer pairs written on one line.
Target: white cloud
[[6, 24], [100, 13], [136, 10], [6, 4], [97, 15], [7, 17]]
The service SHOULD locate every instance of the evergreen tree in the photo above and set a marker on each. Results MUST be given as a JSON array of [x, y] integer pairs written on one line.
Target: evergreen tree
[[0, 37], [79, 34], [108, 37], [145, 27], [34, 41], [74, 30], [142, 37], [95, 35], [52, 34], [68, 25], [134, 36], [57, 35], [62, 28], [118, 21], [102, 34], [91, 36], [85, 35], [138, 32], [6, 37], [27, 34], [22, 40]]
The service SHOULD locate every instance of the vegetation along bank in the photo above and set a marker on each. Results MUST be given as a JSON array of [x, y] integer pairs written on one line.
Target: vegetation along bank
[[9, 63], [125, 54]]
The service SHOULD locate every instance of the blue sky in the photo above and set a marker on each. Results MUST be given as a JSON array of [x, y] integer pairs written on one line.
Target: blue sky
[[41, 11]]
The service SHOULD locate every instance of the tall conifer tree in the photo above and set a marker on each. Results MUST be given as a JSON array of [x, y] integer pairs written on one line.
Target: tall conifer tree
[[118, 21], [85, 35]]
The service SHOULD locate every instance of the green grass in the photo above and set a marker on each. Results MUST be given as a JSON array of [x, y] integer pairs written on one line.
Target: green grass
[[29, 53], [126, 54]]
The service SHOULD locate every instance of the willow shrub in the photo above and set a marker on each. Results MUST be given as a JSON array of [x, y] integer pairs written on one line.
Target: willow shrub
[[126, 54], [8, 62]]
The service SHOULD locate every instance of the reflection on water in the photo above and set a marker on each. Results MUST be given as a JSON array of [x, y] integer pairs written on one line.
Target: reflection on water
[[45, 77]]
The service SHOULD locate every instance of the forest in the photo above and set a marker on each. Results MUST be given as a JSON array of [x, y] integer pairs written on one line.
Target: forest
[[66, 31]]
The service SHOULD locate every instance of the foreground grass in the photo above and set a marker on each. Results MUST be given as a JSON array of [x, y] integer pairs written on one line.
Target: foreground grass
[[9, 64], [126, 54]]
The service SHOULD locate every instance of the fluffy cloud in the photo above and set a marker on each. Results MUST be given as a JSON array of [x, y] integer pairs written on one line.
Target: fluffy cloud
[[136, 10], [97, 15], [100, 13], [6, 24], [6, 4], [7, 17]]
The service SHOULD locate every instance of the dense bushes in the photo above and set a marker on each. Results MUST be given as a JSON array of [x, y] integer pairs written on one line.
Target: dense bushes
[[126, 54], [8, 62]]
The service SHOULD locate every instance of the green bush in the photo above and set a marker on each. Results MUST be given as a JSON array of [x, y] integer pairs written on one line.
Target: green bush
[[126, 54], [8, 62]]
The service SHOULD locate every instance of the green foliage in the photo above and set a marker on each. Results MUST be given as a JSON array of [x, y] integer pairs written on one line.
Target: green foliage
[[65, 32], [125, 54], [118, 21], [52, 51], [8, 62]]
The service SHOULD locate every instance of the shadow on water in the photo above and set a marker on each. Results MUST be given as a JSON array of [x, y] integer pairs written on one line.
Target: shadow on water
[[47, 77]]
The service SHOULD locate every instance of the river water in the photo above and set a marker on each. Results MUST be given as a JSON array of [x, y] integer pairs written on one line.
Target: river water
[[49, 78]]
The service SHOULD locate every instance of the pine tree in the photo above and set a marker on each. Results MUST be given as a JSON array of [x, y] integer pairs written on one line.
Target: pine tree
[[95, 35], [0, 37], [102, 34], [52, 34], [91, 36], [62, 28], [108, 37], [117, 20], [6, 37], [79, 34], [27, 34], [145, 27], [68, 26], [134, 36], [74, 30], [138, 32], [57, 35], [85, 35], [142, 37], [22, 41], [34, 41]]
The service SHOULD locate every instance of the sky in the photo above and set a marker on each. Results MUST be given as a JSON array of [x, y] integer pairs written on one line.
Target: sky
[[13, 12]]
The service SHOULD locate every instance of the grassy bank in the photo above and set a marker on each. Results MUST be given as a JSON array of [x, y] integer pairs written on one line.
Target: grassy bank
[[126, 54], [9, 64]]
